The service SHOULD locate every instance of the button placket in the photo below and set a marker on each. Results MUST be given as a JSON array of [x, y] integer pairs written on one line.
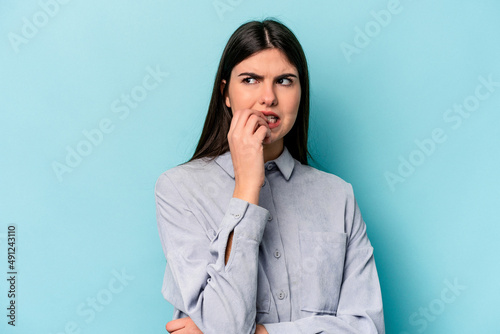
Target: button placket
[[271, 243]]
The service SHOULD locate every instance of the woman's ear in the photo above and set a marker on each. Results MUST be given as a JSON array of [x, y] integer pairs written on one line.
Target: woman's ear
[[226, 96], [222, 85]]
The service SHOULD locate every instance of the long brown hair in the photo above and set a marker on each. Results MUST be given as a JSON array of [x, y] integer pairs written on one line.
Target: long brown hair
[[250, 38]]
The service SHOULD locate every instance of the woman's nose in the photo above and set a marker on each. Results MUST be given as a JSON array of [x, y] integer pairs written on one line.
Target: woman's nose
[[268, 96]]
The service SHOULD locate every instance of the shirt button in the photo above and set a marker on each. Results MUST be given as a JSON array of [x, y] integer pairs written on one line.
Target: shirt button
[[236, 215], [270, 217], [270, 166], [281, 295], [212, 233], [277, 254]]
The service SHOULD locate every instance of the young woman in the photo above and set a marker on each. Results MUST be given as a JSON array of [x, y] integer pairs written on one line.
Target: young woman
[[256, 240]]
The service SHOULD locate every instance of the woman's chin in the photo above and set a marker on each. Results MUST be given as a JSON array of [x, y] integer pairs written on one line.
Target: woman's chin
[[271, 141], [267, 141]]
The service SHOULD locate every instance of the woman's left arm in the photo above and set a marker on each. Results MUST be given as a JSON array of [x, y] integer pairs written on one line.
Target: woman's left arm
[[187, 326], [360, 300]]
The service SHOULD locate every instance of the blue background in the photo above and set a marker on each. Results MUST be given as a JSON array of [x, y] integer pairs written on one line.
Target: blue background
[[436, 226]]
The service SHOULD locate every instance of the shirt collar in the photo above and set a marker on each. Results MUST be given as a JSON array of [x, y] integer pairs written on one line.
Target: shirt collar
[[284, 161]]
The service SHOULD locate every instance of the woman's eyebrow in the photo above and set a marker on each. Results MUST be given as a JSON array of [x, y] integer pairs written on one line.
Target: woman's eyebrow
[[260, 77]]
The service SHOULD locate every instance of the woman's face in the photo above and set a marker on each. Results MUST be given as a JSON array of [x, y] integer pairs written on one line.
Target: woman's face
[[266, 81]]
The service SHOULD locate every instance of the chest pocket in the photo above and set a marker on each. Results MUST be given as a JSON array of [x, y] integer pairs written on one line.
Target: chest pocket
[[322, 267]]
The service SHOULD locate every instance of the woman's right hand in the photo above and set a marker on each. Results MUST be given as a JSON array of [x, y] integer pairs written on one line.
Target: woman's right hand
[[247, 133]]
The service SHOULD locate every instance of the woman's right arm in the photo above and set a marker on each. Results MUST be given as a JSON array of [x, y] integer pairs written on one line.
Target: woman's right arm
[[247, 154], [217, 279]]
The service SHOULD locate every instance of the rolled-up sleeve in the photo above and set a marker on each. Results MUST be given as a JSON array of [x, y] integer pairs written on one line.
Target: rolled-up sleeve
[[360, 307], [219, 297]]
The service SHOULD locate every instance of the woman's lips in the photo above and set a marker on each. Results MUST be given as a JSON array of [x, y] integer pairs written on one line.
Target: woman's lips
[[271, 115], [273, 125]]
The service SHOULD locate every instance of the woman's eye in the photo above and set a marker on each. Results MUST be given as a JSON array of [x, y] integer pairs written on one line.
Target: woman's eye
[[249, 80], [285, 81]]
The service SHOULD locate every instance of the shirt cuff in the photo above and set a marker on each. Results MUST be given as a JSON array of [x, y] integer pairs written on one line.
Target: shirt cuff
[[246, 219]]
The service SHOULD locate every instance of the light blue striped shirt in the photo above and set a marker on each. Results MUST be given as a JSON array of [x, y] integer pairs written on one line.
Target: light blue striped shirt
[[300, 261]]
